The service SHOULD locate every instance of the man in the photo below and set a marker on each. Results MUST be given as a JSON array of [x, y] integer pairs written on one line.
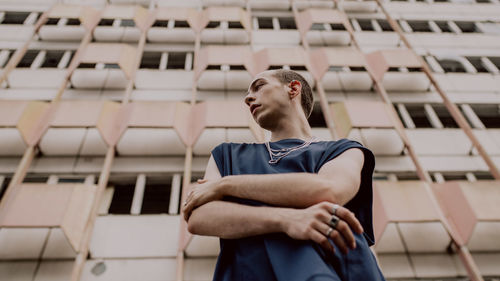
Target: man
[[291, 209]]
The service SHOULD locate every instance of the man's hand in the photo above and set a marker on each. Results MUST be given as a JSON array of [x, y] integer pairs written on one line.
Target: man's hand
[[201, 193], [313, 224]]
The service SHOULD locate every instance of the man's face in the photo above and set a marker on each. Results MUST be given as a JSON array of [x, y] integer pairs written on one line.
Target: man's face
[[267, 99]]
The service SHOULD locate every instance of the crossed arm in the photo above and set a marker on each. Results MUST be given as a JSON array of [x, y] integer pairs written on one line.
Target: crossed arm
[[302, 203]]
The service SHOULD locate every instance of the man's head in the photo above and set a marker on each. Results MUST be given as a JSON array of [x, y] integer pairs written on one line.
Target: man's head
[[274, 94]]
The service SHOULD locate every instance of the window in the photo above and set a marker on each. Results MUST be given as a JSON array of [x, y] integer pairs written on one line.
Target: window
[[3, 186], [4, 62], [127, 22], [235, 24], [156, 198], [317, 120], [237, 67], [176, 60], [52, 21], [477, 63], [298, 68], [181, 23], [28, 58], [273, 67], [86, 65], [213, 67], [417, 114], [357, 68], [365, 24], [489, 114], [213, 24], [160, 23], [287, 23], [445, 116], [71, 180], [52, 58], [483, 176], [106, 22], [33, 178], [151, 60], [337, 26], [385, 25], [409, 176], [265, 23], [420, 26], [15, 17], [73, 21], [443, 25], [111, 66], [454, 177], [467, 26], [495, 61], [450, 65], [122, 198], [317, 26]]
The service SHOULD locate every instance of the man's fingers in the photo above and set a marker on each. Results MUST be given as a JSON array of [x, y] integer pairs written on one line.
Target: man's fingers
[[350, 219], [346, 233], [321, 239], [339, 241]]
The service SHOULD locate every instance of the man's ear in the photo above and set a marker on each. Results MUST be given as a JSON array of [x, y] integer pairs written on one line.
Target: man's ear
[[295, 88]]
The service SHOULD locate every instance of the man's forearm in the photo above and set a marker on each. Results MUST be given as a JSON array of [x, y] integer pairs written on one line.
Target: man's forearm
[[231, 220], [298, 190]]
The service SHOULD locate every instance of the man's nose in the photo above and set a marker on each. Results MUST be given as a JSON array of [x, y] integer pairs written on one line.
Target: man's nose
[[249, 99]]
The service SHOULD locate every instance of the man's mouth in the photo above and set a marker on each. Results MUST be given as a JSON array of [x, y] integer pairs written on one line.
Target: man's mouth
[[254, 107]]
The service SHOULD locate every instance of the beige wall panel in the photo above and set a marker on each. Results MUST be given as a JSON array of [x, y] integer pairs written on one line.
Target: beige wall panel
[[272, 38], [406, 82], [168, 79], [9, 164], [453, 163], [444, 82], [240, 135], [212, 80], [424, 237], [439, 141], [488, 140], [132, 270], [394, 164], [203, 246], [322, 133], [62, 141], [89, 164], [237, 80], [488, 263], [433, 265], [239, 36], [395, 266], [336, 38], [355, 81], [61, 33], [270, 5], [115, 79], [176, 35], [22, 243], [144, 141], [131, 34], [199, 164], [485, 237], [355, 6], [37, 78], [165, 95], [199, 269], [212, 36], [146, 236], [479, 82], [12, 142], [422, 39], [331, 81], [390, 241], [89, 78], [52, 164], [209, 139], [108, 33], [386, 39], [382, 141], [93, 143], [148, 165], [15, 32], [355, 134], [58, 247], [314, 38], [54, 271], [17, 271]]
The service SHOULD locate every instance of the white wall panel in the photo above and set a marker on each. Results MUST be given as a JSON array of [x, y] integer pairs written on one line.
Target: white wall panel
[[485, 237], [93, 143], [382, 141], [51, 164], [425, 237], [237, 80], [176, 35], [36, 78], [212, 80], [453, 163], [203, 246], [355, 81], [395, 266], [54, 271], [439, 141], [240, 135], [132, 270], [17, 271], [199, 269], [394, 81], [146, 236], [394, 164], [12, 142], [19, 243], [108, 33], [479, 82], [331, 81], [115, 79], [209, 139], [489, 140], [270, 37], [58, 246], [232, 36], [386, 39], [61, 33], [131, 34], [89, 78], [212, 36], [143, 141], [487, 263], [62, 141], [434, 265], [15, 33], [167, 79], [390, 241]]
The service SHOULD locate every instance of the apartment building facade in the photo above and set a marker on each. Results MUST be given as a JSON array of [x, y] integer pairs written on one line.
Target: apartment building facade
[[110, 108]]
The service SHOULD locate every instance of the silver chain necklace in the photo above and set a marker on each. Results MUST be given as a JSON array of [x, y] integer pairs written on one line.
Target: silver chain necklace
[[276, 155]]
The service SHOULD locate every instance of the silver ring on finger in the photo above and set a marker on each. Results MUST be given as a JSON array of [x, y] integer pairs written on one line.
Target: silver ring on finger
[[334, 221], [329, 231], [334, 209]]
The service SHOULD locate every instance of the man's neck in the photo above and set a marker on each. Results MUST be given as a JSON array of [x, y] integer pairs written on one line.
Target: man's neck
[[296, 129]]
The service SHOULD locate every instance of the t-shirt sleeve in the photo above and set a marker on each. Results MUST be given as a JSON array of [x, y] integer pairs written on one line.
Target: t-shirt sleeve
[[361, 204], [218, 155]]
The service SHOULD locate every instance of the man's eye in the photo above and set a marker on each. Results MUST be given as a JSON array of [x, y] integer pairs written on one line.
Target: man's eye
[[257, 87]]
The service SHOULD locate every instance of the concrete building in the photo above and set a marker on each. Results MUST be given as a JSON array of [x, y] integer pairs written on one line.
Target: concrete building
[[110, 108]]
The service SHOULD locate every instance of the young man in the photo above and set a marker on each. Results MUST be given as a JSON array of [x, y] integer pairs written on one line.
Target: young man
[[293, 209]]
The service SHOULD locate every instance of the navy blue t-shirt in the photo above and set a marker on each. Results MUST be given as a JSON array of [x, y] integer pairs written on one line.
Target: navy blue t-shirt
[[277, 256]]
